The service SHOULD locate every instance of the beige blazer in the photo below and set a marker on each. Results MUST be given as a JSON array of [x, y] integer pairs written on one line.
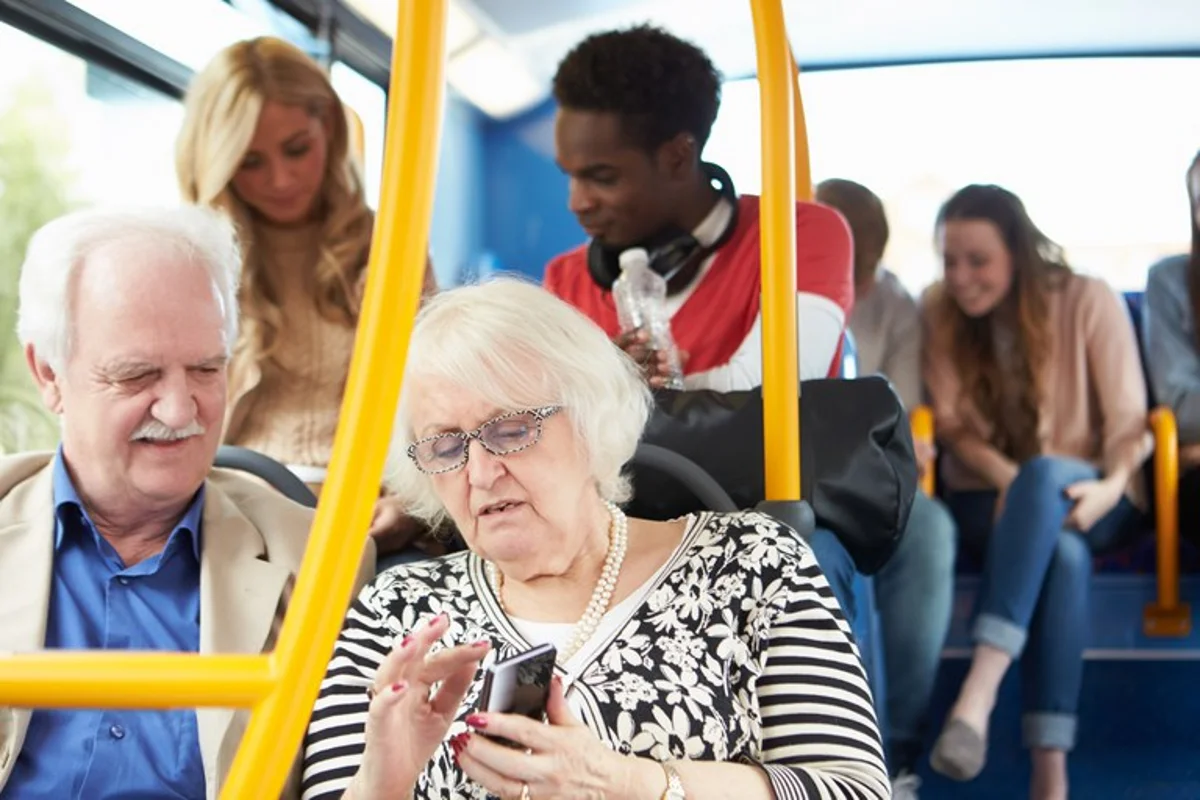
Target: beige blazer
[[252, 543]]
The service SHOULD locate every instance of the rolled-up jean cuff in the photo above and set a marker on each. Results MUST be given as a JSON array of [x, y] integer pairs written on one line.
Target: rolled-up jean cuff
[[1000, 634], [1049, 730]]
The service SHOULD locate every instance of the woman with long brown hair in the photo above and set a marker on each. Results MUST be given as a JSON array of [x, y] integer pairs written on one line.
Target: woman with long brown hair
[[1040, 408], [265, 139], [1169, 322]]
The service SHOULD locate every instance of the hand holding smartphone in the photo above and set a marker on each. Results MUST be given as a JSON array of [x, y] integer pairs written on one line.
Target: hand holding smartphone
[[519, 685]]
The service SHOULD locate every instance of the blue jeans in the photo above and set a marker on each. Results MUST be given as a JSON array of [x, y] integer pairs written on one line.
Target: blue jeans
[[1033, 596], [838, 567], [914, 591]]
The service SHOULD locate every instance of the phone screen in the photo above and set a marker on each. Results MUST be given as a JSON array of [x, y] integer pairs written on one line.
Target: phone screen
[[520, 684]]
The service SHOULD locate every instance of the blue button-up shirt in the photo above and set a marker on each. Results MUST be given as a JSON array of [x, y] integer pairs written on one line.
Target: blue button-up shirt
[[96, 602]]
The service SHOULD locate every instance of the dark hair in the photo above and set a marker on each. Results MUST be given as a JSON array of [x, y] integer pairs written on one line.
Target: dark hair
[[1039, 266], [1194, 259], [658, 84], [863, 210]]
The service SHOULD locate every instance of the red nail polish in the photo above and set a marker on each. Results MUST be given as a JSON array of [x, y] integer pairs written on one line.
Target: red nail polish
[[400, 686], [406, 641], [477, 721], [481, 643]]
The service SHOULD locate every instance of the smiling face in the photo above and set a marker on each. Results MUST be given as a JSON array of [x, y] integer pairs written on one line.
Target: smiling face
[[978, 267], [528, 511], [283, 170]]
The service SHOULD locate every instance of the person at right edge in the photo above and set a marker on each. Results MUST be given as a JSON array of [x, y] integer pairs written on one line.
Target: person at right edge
[[1169, 326]]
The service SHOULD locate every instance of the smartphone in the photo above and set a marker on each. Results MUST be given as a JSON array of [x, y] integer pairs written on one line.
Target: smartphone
[[519, 685]]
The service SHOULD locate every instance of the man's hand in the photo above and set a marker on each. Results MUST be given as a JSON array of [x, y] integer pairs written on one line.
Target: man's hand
[[654, 363]]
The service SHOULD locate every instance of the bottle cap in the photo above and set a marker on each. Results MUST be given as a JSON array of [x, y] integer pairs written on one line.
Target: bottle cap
[[634, 256]]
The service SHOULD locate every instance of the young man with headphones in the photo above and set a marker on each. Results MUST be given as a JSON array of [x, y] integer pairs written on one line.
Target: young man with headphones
[[635, 110]]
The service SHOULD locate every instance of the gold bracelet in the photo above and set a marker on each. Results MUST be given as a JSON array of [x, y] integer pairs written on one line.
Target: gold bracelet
[[674, 790]]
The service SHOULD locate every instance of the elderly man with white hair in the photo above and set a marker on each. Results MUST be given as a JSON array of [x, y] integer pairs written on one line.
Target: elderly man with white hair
[[126, 538]]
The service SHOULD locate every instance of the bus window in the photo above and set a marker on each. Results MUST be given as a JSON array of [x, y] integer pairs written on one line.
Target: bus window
[[1094, 146], [71, 133]]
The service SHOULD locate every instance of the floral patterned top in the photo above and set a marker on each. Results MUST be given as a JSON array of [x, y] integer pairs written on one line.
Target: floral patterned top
[[739, 652]]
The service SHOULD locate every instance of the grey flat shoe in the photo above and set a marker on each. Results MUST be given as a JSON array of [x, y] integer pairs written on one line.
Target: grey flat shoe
[[960, 752]]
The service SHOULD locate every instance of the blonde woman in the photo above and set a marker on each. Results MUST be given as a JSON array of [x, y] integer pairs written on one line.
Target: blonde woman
[[265, 139]]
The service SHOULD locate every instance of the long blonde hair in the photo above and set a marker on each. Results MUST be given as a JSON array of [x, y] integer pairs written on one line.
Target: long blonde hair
[[221, 112]]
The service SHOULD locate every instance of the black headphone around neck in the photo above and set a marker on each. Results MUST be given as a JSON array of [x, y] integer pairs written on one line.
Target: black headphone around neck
[[675, 254]]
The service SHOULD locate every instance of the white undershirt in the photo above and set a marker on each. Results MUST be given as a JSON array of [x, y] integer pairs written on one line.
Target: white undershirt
[[559, 633], [819, 325]]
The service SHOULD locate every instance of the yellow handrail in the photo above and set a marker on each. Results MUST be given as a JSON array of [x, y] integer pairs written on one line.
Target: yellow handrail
[[921, 421], [1167, 616], [394, 279], [284, 684], [114, 679], [781, 368], [804, 181]]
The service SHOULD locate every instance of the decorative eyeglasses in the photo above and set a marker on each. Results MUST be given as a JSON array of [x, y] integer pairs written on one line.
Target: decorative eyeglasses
[[501, 436]]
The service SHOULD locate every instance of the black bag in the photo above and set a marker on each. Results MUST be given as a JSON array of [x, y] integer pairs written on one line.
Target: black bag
[[858, 470]]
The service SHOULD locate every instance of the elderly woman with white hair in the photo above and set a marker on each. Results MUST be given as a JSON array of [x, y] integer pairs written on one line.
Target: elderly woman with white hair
[[704, 657]]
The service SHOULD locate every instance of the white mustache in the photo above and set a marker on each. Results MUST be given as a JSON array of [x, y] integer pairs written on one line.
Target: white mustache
[[154, 431]]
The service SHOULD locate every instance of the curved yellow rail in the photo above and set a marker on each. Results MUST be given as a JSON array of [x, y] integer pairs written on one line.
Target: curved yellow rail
[[804, 181], [283, 685], [1167, 616], [920, 419], [781, 368], [394, 279]]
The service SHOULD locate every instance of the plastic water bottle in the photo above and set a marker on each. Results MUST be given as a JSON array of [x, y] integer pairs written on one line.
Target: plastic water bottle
[[640, 294]]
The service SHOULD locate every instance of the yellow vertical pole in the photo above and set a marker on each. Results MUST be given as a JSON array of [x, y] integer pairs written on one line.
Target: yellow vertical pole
[[804, 181], [921, 421], [396, 267], [781, 368]]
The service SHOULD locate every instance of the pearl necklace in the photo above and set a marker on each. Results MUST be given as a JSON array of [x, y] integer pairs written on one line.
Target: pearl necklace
[[597, 607]]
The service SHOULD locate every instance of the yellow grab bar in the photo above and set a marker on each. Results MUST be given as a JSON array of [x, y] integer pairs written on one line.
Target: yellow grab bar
[[781, 368], [804, 181], [115, 679], [921, 421], [283, 685], [1167, 616], [394, 278], [357, 134]]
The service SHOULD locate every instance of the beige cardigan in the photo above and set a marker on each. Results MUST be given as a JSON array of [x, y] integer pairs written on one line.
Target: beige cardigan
[[287, 407], [1095, 404]]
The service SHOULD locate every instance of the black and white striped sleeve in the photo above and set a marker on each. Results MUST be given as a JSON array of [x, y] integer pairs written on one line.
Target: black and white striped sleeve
[[820, 736], [333, 746]]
